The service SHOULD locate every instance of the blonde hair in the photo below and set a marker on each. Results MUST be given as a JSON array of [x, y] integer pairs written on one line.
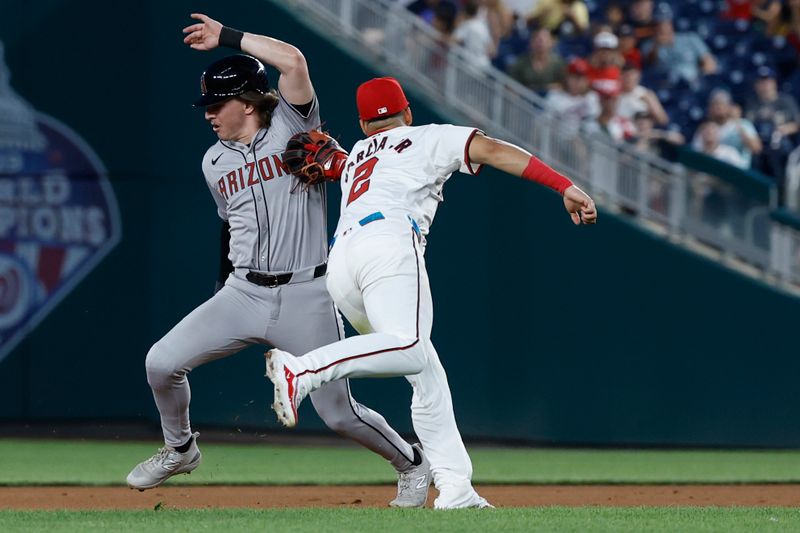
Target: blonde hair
[[264, 103]]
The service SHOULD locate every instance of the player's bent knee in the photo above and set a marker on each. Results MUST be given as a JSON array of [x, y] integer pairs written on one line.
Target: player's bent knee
[[161, 368], [337, 412], [417, 360], [339, 421]]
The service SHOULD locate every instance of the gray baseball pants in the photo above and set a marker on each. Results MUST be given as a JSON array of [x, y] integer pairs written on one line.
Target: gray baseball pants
[[296, 318]]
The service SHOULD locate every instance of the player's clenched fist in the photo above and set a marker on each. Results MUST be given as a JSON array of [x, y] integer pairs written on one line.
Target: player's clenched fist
[[579, 206], [203, 35]]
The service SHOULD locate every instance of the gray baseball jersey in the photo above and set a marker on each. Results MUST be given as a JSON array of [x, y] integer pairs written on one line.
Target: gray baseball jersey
[[254, 194]]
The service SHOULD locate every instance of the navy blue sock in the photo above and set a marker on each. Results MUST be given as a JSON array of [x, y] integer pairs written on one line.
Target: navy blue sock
[[417, 458], [183, 448]]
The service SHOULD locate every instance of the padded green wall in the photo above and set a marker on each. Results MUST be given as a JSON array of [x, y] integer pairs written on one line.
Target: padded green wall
[[549, 332]]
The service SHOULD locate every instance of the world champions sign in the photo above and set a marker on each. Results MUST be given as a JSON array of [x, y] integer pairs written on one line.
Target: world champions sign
[[58, 214]]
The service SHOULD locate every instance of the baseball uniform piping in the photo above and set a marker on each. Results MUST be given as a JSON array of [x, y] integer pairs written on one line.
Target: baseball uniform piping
[[466, 153], [323, 190], [258, 225], [350, 400], [266, 207], [386, 350], [336, 319]]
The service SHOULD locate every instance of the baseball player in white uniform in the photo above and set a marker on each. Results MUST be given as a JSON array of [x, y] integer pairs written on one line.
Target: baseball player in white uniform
[[391, 186], [275, 293]]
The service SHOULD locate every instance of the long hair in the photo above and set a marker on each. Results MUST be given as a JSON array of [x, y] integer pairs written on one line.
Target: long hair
[[264, 103]]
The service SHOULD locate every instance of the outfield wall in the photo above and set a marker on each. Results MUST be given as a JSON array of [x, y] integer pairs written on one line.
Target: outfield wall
[[549, 333]]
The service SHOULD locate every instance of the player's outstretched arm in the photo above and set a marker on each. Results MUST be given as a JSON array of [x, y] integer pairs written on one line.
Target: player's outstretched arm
[[294, 82], [514, 160]]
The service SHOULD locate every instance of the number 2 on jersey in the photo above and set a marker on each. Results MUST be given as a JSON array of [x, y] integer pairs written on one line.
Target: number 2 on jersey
[[361, 179]]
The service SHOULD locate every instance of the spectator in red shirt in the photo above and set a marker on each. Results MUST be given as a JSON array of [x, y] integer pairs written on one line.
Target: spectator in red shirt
[[764, 13], [627, 46], [605, 63], [737, 10]]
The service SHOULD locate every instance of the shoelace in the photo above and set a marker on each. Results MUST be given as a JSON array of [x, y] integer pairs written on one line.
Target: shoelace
[[404, 483], [162, 456]]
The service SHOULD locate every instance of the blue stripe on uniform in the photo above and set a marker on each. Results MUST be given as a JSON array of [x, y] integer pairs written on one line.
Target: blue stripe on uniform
[[377, 215]]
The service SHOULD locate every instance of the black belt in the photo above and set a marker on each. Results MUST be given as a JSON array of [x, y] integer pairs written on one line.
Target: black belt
[[273, 280]]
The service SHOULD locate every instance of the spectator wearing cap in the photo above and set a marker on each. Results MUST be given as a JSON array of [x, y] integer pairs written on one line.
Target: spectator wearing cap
[[473, 34], [575, 103], [777, 119], [733, 130], [562, 17], [609, 122], [636, 98], [708, 142], [605, 63], [683, 56], [628, 47], [540, 69]]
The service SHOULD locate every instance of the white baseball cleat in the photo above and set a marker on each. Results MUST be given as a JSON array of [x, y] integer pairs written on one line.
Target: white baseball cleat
[[460, 496], [483, 503], [166, 463], [289, 392], [412, 486]]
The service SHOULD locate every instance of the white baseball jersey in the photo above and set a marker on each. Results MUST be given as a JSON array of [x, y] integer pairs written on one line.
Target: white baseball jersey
[[401, 172], [275, 225], [377, 277]]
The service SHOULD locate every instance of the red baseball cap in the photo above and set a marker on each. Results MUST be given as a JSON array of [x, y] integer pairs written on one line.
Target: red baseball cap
[[578, 66], [380, 97]]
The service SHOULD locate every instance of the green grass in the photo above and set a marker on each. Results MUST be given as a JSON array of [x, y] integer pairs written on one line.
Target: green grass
[[579, 519], [38, 462]]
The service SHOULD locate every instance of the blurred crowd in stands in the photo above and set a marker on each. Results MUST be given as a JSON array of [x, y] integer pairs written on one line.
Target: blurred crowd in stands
[[719, 76]]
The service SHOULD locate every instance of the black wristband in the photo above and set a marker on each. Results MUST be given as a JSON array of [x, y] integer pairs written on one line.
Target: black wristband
[[230, 38]]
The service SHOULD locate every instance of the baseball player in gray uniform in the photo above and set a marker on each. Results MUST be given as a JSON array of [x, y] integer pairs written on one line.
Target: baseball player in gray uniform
[[275, 293]]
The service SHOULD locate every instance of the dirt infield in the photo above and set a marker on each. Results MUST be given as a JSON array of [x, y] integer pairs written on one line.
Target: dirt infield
[[183, 497]]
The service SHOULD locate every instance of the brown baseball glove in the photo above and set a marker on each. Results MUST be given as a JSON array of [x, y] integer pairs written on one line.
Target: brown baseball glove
[[314, 156]]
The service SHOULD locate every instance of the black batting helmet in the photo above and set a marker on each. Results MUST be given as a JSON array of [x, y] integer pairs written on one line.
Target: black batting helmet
[[231, 76]]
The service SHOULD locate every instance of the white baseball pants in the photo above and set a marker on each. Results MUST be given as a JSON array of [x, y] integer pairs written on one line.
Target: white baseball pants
[[377, 278]]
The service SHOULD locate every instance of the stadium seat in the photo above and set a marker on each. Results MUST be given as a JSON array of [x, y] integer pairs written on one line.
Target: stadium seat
[[574, 47]]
